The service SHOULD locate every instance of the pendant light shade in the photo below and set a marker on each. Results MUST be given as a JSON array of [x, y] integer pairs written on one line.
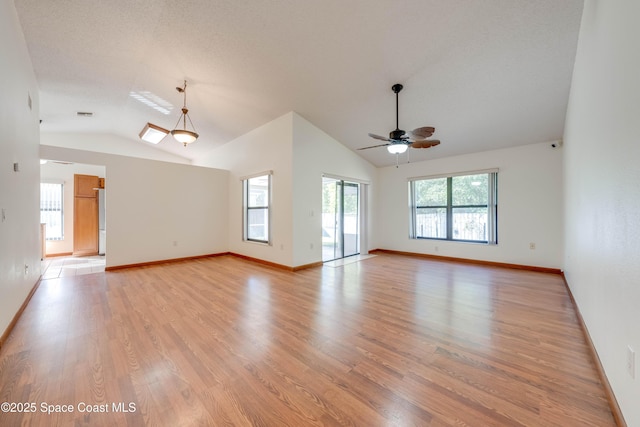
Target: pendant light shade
[[183, 135]]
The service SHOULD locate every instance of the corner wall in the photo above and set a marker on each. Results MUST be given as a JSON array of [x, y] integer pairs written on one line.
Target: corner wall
[[315, 153], [267, 148], [602, 154], [19, 191], [157, 210], [298, 153]]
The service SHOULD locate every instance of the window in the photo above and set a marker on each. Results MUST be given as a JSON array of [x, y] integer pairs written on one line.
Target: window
[[51, 210], [257, 200], [458, 207]]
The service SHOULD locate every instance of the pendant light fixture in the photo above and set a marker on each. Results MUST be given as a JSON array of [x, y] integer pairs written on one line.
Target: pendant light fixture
[[183, 135]]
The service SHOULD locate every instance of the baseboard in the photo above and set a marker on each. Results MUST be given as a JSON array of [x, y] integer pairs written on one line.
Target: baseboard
[[163, 261], [305, 266], [248, 258], [613, 402], [470, 261], [276, 265], [58, 255], [15, 319], [319, 263]]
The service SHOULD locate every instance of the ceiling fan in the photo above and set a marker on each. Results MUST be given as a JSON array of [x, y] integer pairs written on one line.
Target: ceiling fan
[[399, 140]]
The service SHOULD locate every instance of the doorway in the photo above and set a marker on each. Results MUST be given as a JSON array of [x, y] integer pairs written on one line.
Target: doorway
[[74, 233], [340, 219]]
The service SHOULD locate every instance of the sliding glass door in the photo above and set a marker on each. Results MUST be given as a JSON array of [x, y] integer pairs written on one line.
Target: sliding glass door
[[340, 219]]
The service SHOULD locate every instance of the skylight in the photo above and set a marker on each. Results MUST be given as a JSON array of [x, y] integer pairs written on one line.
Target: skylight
[[153, 101]]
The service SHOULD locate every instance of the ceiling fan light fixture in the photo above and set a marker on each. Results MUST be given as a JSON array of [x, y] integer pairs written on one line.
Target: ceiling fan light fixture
[[397, 148], [183, 135], [399, 141], [153, 133]]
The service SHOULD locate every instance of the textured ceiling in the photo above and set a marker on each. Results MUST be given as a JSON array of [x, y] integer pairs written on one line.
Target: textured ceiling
[[487, 74]]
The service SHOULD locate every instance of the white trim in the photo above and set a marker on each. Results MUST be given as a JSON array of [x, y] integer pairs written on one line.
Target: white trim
[[257, 242], [344, 178], [363, 196], [255, 175], [491, 205], [52, 181], [447, 175], [245, 208]]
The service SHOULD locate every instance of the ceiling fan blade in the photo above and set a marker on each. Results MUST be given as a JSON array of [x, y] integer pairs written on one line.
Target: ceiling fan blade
[[423, 132], [381, 138], [373, 146], [425, 143]]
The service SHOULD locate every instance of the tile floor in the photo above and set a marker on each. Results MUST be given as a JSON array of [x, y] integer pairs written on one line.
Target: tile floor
[[55, 267], [347, 260]]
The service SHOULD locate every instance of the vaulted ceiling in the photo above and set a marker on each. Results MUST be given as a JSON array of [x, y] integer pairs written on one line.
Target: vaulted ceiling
[[486, 74]]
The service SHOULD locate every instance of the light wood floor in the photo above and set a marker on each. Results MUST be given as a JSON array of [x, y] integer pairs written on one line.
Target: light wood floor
[[387, 341]]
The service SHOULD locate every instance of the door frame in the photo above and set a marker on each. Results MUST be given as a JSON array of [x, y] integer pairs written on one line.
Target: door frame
[[361, 224], [85, 214]]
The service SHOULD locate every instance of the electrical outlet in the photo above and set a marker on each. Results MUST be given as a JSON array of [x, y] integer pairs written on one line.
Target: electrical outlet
[[631, 361], [532, 246], [175, 243], [26, 269]]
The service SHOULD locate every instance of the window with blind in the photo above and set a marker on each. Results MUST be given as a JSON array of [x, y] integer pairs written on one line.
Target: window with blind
[[257, 201], [457, 207], [51, 203]]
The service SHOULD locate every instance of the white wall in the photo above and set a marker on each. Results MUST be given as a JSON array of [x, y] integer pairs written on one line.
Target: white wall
[[152, 204], [19, 191], [315, 153], [298, 153], [529, 206], [109, 144], [64, 174], [602, 173], [268, 147]]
